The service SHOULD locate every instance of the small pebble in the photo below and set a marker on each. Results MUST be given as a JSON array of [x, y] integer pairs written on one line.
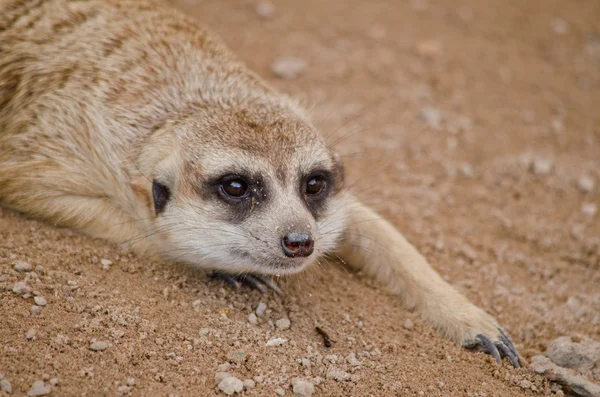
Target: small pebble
[[525, 384], [408, 324], [541, 166], [265, 9], [40, 300], [260, 309], [351, 359], [106, 264], [54, 381], [252, 319], [231, 385], [122, 390], [560, 26], [586, 184], [130, 382], [31, 334], [23, 267], [432, 116], [288, 68], [5, 386], [98, 346], [589, 209], [337, 374], [302, 388], [276, 342], [249, 384], [283, 323], [35, 309], [279, 391], [196, 304], [39, 388], [20, 288]]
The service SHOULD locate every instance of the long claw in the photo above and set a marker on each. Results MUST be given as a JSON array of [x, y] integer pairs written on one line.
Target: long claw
[[258, 282], [233, 283], [253, 282], [506, 352], [489, 347], [268, 281], [505, 337]]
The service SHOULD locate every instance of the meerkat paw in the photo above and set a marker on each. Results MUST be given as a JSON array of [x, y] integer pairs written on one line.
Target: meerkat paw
[[492, 339], [254, 281]]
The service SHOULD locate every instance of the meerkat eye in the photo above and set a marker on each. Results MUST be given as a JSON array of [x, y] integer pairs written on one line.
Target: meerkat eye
[[315, 185], [235, 188], [161, 195]]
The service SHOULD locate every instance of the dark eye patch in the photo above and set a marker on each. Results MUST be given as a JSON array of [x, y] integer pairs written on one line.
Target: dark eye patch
[[160, 195], [315, 188]]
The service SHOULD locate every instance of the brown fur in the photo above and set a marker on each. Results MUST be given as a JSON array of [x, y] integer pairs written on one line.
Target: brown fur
[[99, 98]]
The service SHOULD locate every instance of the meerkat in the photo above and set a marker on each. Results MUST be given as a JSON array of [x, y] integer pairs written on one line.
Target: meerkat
[[127, 121]]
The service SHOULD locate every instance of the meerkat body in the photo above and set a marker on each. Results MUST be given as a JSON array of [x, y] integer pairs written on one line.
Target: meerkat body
[[128, 122]]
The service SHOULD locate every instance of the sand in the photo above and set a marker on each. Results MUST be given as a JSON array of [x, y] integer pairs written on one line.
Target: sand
[[472, 126]]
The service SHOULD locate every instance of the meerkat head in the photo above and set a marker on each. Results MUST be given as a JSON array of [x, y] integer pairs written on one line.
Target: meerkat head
[[244, 189]]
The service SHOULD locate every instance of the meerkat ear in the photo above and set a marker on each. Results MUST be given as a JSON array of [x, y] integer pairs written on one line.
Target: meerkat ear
[[142, 189]]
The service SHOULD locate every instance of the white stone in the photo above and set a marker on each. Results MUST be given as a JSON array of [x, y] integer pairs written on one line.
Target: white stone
[[252, 319], [39, 388], [260, 309], [98, 346], [40, 301], [23, 267], [276, 341], [283, 323], [231, 385], [302, 387], [20, 288]]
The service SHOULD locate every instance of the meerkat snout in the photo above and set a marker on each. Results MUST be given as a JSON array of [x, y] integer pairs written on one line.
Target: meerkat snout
[[297, 244]]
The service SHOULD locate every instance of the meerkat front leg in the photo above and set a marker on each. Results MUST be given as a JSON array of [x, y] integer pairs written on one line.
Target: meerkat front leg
[[373, 245]]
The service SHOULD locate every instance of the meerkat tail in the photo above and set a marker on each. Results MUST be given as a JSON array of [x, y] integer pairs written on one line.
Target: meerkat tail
[[373, 245]]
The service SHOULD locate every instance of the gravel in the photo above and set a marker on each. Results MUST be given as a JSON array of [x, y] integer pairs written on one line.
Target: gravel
[[541, 166], [265, 10], [40, 300], [288, 68], [586, 184], [21, 288], [337, 374], [589, 209], [30, 335], [99, 346], [431, 116], [302, 387], [39, 388], [283, 323], [5, 386], [231, 385], [252, 319], [566, 377], [260, 309], [276, 341], [581, 354], [22, 267]]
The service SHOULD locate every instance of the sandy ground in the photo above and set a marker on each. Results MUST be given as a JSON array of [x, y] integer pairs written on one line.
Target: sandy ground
[[473, 126]]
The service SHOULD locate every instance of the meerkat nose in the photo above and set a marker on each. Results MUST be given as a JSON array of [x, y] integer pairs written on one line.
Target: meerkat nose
[[297, 244]]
